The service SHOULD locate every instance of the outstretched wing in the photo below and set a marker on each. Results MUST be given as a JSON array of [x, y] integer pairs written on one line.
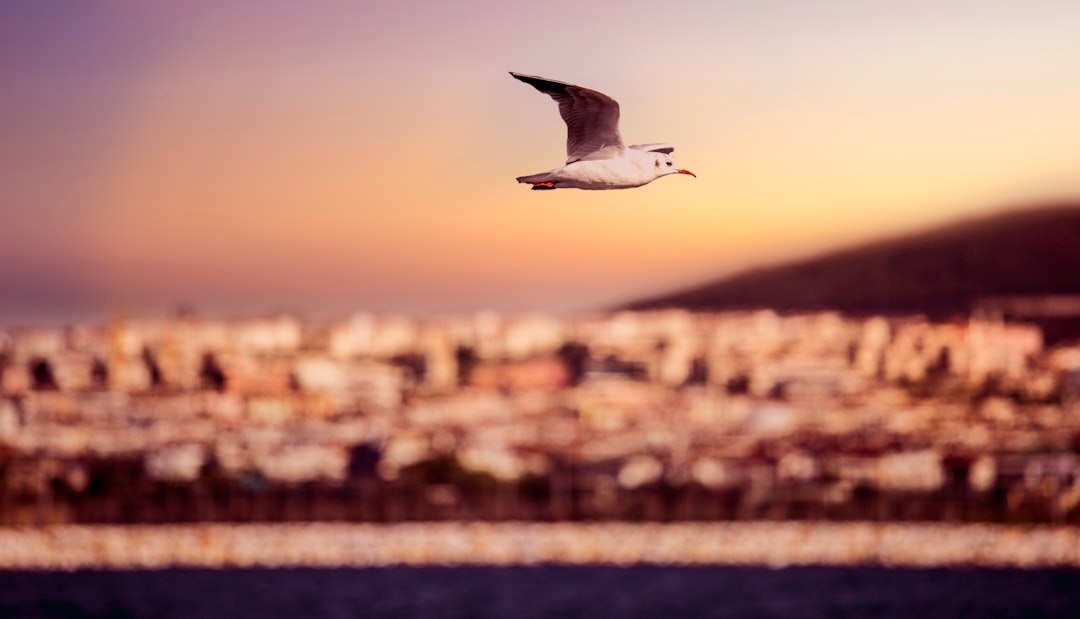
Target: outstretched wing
[[592, 118]]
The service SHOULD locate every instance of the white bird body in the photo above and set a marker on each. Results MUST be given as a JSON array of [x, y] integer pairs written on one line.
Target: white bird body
[[596, 157], [633, 168]]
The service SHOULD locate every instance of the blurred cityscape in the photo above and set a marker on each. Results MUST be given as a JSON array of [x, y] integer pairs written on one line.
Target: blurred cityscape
[[657, 416]]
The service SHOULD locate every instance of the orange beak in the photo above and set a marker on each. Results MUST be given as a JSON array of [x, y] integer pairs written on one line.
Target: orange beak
[[687, 172]]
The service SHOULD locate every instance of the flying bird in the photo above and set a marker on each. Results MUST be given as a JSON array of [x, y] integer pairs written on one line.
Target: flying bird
[[596, 157]]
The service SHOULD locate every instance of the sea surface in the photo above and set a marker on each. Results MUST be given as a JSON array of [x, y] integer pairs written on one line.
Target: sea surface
[[545, 591]]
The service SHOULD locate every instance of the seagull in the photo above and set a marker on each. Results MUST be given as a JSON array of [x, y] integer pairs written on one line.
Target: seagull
[[596, 157]]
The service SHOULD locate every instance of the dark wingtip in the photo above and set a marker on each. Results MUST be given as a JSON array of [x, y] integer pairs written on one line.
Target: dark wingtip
[[542, 84]]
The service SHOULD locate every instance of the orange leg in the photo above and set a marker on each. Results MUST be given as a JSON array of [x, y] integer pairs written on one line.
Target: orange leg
[[544, 185]]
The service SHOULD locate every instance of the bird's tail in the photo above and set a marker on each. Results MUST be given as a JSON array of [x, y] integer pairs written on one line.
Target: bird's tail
[[532, 179]]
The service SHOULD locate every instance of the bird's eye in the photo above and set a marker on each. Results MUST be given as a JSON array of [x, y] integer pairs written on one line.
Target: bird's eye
[[669, 163]]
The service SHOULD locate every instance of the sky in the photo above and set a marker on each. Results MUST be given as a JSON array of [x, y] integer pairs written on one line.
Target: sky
[[329, 157]]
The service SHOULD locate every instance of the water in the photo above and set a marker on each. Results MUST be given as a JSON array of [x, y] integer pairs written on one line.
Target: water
[[536, 592]]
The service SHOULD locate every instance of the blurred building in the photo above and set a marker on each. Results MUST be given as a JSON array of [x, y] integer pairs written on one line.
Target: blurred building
[[626, 415]]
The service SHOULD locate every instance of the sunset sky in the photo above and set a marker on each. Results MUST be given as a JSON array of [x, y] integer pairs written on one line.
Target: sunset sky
[[328, 157]]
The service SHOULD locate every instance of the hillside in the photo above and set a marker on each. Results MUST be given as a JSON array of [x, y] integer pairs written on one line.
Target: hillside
[[940, 272]]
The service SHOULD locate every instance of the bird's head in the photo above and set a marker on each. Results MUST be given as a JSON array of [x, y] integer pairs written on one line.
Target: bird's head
[[665, 164]]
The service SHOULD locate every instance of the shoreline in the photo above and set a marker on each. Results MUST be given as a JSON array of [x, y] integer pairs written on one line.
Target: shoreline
[[342, 545]]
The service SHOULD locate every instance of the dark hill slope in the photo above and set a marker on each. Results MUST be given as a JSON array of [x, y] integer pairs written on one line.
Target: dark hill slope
[[940, 273]]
